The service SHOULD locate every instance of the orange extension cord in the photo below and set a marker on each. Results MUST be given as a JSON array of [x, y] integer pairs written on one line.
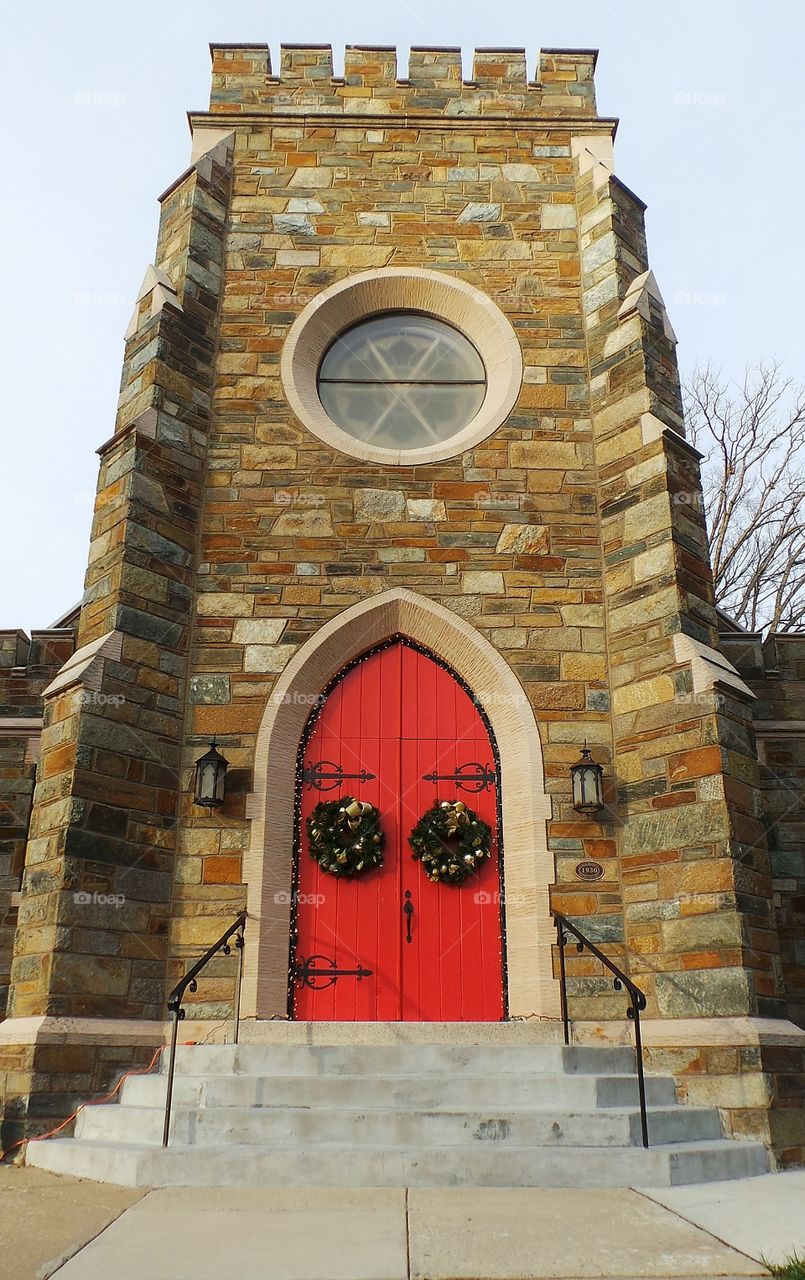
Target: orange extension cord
[[40, 1137]]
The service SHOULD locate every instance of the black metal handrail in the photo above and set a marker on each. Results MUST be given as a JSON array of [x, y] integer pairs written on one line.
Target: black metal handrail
[[636, 1005], [188, 982]]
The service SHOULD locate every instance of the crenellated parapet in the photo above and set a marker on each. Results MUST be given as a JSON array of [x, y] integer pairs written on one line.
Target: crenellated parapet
[[366, 65], [375, 81], [435, 68], [492, 68]]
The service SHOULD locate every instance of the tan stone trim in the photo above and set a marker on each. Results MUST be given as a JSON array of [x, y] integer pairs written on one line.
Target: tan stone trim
[[46, 1030], [679, 1033], [218, 44], [219, 151], [13, 724], [394, 289], [160, 288], [528, 864], [333, 120], [653, 428], [641, 292], [596, 152], [86, 664], [125, 1032], [773, 728], [144, 425], [283, 1031], [660, 1032], [709, 667], [205, 139]]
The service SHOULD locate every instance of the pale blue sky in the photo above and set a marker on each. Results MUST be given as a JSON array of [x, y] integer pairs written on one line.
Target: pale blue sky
[[710, 97]]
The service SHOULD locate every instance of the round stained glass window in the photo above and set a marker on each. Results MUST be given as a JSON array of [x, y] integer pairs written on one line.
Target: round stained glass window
[[402, 381]]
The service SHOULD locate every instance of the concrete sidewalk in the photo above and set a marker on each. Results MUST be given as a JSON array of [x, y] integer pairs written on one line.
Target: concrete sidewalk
[[763, 1217], [43, 1218], [441, 1234]]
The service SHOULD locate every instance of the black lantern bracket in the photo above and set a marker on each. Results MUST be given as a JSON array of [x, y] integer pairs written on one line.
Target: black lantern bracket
[[587, 780], [209, 786]]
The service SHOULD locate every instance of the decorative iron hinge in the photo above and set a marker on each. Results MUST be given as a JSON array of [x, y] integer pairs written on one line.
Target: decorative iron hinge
[[314, 775], [467, 777], [305, 971]]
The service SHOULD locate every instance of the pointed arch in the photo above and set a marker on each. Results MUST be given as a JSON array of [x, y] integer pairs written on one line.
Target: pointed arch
[[528, 866]]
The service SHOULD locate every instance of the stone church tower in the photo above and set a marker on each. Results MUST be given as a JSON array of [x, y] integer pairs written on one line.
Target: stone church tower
[[400, 425]]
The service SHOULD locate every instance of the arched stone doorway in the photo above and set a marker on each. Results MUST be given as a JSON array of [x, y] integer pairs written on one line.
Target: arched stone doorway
[[528, 866]]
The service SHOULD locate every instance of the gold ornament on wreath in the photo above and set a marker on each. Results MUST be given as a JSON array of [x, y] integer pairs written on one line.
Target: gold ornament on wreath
[[345, 836], [451, 841]]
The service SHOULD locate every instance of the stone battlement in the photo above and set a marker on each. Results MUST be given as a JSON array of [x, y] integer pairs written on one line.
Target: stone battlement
[[243, 81], [49, 647], [28, 665]]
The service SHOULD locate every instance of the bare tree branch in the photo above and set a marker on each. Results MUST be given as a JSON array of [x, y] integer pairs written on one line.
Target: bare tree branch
[[753, 478]]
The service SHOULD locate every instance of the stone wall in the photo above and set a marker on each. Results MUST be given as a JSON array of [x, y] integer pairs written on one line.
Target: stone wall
[[226, 535], [775, 671], [294, 532], [509, 535], [26, 667]]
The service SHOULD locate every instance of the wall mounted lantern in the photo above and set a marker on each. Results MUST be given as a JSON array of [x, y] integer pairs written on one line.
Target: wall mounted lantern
[[210, 778], [588, 784]]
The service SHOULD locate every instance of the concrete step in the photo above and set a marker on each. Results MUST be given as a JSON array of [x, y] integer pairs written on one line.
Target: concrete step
[[281, 1031], [398, 1060], [435, 1090], [491, 1165], [391, 1128], [529, 1031], [415, 1112]]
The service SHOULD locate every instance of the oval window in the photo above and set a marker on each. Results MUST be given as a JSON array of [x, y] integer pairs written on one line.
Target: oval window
[[402, 381]]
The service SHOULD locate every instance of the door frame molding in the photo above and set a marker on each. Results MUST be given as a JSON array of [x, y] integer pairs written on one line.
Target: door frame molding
[[528, 866], [310, 725]]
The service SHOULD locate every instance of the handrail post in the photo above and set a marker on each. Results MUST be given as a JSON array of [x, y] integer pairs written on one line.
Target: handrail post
[[563, 981], [189, 981], [641, 1079], [239, 944], [637, 1001], [177, 1013]]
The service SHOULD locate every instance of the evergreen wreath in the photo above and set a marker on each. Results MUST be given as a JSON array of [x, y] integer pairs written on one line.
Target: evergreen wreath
[[451, 841], [345, 836]]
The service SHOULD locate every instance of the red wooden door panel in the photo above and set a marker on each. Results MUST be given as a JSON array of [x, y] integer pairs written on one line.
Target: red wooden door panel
[[452, 969], [354, 923], [412, 735]]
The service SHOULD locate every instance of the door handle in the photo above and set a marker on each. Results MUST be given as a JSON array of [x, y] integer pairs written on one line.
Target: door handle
[[408, 909]]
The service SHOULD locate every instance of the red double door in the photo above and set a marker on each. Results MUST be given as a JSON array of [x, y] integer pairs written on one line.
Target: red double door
[[399, 731]]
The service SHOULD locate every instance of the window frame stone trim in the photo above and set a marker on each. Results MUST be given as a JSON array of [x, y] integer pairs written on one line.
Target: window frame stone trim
[[367, 293]]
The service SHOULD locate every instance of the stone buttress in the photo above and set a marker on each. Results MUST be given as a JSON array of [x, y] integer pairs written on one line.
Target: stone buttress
[[96, 892]]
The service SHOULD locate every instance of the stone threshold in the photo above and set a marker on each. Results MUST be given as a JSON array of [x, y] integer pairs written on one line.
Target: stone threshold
[[657, 1033]]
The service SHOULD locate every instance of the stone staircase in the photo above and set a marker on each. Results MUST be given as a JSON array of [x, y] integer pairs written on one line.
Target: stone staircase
[[448, 1105]]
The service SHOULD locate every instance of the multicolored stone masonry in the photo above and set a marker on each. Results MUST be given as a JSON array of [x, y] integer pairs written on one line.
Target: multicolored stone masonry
[[26, 667], [227, 534], [775, 671]]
